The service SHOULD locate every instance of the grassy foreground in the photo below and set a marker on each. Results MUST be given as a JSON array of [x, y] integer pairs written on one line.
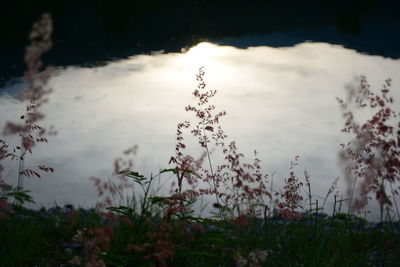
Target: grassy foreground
[[69, 237]]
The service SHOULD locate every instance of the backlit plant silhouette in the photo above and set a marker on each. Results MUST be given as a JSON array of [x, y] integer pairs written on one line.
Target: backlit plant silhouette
[[34, 94], [290, 195], [373, 157], [238, 187]]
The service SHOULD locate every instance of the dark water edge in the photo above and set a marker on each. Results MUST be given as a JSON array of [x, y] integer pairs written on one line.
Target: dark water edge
[[94, 32]]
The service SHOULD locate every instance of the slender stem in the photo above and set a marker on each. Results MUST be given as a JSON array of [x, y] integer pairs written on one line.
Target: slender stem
[[212, 172], [394, 200], [326, 197], [22, 152], [265, 226], [20, 167], [352, 193], [146, 192], [211, 168], [334, 207], [309, 195], [316, 216], [381, 204], [180, 180], [20, 178], [272, 195]]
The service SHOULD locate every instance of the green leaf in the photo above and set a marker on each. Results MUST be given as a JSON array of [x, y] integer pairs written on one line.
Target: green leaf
[[21, 196], [126, 211], [156, 199], [131, 173], [137, 177], [174, 171]]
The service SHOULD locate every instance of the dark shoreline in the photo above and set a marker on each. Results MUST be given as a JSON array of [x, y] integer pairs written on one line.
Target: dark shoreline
[[94, 32]]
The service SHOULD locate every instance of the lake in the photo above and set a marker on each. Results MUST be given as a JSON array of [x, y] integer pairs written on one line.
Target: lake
[[280, 101]]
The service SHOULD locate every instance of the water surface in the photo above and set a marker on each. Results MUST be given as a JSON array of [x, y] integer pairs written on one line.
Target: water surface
[[279, 101]]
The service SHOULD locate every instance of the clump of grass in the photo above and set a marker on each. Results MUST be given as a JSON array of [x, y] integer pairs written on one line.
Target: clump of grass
[[163, 230]]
